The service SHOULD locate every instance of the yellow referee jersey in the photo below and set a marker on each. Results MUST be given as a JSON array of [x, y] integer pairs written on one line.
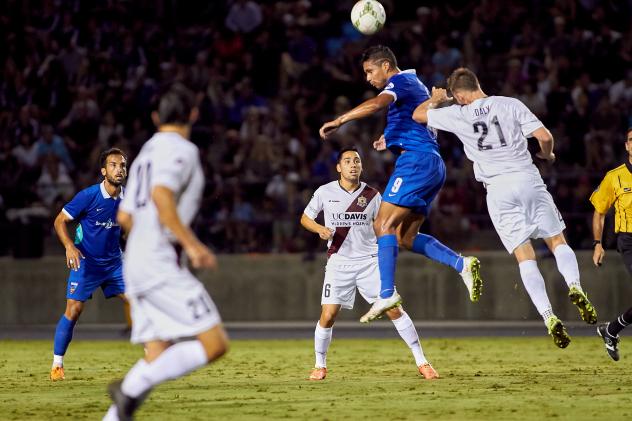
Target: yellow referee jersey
[[616, 188]]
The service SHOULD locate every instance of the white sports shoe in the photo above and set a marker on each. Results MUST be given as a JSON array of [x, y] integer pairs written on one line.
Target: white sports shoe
[[471, 275], [381, 306]]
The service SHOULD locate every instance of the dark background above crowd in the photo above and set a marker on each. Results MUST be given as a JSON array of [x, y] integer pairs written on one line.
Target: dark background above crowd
[[82, 76]]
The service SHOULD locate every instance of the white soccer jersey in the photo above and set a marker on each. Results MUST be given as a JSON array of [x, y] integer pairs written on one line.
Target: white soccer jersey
[[169, 160], [494, 133], [351, 215]]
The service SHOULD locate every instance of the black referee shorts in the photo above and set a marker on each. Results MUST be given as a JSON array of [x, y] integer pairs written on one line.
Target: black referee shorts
[[624, 246]]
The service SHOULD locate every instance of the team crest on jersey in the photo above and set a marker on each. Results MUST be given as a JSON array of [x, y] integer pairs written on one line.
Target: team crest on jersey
[[73, 287], [362, 201]]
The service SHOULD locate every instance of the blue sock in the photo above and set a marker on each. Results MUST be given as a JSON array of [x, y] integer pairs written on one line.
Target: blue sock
[[430, 247], [63, 335], [387, 249]]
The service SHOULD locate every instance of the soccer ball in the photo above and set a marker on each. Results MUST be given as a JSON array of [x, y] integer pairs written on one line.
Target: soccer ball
[[368, 16]]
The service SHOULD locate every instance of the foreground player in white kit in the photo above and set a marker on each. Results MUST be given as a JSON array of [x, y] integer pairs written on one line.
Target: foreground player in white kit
[[494, 133], [167, 301], [350, 207]]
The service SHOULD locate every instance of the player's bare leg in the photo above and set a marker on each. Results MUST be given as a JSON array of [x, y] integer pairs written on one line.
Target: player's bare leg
[[63, 336], [568, 267], [388, 219], [534, 284], [164, 361], [127, 312], [408, 333], [322, 339]]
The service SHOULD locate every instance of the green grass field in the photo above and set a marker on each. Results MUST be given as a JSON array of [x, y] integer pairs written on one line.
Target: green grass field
[[491, 378]]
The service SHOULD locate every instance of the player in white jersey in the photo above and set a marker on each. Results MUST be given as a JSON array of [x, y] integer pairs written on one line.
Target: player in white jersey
[[494, 132], [350, 207], [167, 301]]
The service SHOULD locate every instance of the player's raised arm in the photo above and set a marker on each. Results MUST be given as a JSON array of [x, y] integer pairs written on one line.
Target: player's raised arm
[[367, 108], [439, 96], [200, 255]]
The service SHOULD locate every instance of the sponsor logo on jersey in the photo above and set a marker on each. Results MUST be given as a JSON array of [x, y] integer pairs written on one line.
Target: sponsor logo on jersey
[[627, 189], [362, 202], [107, 225], [350, 216]]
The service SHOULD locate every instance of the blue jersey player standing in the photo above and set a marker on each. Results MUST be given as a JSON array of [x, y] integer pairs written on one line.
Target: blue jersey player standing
[[417, 178], [94, 257]]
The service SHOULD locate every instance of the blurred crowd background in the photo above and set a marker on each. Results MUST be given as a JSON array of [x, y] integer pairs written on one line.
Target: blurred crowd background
[[81, 76]]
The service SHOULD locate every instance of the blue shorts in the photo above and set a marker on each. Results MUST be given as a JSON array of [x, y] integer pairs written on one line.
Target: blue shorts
[[83, 282], [416, 180]]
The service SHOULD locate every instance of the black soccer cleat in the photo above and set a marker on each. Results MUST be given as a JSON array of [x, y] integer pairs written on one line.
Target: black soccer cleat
[[125, 405], [611, 342]]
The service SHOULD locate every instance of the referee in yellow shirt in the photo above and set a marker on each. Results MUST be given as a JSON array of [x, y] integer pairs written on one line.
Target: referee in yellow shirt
[[615, 189]]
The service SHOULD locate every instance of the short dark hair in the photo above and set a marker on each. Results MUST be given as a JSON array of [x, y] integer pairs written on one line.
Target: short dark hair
[[112, 151], [379, 53], [344, 150], [175, 105], [463, 79]]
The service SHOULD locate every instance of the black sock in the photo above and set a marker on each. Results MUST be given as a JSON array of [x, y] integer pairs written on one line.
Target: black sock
[[617, 325]]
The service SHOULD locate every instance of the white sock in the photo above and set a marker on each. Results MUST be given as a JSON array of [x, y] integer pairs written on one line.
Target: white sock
[[322, 339], [534, 284], [134, 382], [567, 265], [58, 360], [112, 414], [176, 361], [407, 331]]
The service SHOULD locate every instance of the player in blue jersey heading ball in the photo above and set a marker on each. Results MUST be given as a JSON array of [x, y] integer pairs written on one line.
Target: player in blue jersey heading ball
[[417, 178], [94, 257]]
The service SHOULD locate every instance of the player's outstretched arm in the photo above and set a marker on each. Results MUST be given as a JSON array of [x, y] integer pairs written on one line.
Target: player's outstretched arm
[[310, 225], [597, 228], [198, 253], [367, 108], [438, 96], [545, 139], [73, 255]]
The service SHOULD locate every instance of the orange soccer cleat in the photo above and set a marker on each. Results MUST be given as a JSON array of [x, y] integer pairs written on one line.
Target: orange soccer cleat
[[57, 373], [318, 373], [428, 372]]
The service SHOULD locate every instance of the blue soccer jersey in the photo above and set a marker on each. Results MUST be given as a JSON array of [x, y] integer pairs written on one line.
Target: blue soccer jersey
[[401, 131], [98, 234]]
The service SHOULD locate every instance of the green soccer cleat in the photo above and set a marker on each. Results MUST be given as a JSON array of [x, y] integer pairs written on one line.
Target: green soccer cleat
[[558, 332], [586, 309], [471, 275]]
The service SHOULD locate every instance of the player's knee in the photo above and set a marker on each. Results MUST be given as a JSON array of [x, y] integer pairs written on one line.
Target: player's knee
[[215, 343], [73, 310], [382, 227], [216, 349], [327, 318]]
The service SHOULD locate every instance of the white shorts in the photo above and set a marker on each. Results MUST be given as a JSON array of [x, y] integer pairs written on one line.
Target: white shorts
[[343, 276], [175, 309], [522, 208]]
